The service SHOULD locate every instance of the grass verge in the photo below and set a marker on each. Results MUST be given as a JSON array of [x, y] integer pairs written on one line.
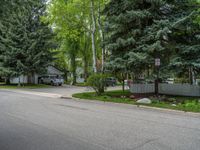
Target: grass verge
[[187, 104]]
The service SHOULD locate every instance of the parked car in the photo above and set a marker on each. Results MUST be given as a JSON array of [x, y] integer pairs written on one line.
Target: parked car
[[170, 81], [52, 80], [111, 81]]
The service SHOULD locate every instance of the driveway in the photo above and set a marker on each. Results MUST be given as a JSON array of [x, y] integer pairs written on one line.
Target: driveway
[[41, 123]]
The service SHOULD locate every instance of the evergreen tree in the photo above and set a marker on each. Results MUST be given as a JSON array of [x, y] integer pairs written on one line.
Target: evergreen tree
[[140, 31], [128, 22], [25, 41], [8, 46], [186, 39], [39, 43]]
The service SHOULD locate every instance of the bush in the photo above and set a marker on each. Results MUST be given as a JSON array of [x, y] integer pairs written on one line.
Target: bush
[[97, 82], [192, 105], [181, 80], [172, 100]]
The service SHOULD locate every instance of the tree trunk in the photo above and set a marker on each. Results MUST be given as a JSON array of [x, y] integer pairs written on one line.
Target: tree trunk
[[93, 37], [73, 65], [7, 80], [31, 78], [123, 82], [85, 57], [101, 36], [19, 82], [85, 69], [192, 76]]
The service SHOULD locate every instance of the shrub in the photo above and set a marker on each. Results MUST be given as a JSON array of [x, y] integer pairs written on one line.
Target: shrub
[[172, 100], [192, 105], [181, 80], [97, 82]]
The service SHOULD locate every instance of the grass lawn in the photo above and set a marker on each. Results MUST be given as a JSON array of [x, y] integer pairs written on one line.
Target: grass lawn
[[26, 86], [81, 84], [190, 104]]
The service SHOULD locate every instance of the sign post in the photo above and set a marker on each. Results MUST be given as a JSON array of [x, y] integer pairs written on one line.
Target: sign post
[[157, 65]]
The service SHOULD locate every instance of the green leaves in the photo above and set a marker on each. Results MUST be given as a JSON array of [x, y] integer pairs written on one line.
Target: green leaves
[[25, 40]]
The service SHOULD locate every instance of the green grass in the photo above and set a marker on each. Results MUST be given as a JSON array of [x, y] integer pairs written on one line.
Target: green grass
[[81, 84], [107, 97], [26, 86], [188, 104]]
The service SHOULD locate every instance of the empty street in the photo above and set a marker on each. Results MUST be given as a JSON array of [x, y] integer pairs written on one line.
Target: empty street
[[31, 122]]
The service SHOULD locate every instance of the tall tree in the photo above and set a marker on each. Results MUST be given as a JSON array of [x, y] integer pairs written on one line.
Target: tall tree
[[127, 24], [25, 40], [186, 39]]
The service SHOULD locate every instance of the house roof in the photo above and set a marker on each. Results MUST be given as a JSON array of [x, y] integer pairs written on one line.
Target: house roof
[[53, 71]]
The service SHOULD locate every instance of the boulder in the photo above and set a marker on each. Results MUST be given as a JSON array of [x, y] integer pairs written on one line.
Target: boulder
[[144, 101], [132, 97]]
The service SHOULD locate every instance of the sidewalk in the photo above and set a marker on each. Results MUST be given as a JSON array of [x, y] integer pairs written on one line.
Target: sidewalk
[[75, 89], [66, 91]]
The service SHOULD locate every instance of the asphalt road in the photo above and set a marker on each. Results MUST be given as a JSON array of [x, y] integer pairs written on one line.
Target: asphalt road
[[30, 122]]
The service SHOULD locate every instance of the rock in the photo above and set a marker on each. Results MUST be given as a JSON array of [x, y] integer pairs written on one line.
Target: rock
[[132, 97], [172, 100], [144, 101], [174, 105]]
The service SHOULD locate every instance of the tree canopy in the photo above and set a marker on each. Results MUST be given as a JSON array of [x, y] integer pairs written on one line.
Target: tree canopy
[[25, 40]]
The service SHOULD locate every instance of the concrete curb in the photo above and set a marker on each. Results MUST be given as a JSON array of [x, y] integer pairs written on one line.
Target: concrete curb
[[140, 106], [66, 97]]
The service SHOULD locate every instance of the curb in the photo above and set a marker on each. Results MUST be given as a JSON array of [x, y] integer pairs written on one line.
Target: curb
[[65, 97], [141, 106]]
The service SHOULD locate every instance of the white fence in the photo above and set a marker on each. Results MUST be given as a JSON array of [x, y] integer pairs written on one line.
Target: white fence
[[142, 88], [168, 89]]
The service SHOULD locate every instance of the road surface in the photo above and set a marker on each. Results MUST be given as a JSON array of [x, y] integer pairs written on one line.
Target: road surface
[[32, 122]]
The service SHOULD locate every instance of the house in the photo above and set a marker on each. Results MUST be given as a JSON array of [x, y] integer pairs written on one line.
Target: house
[[80, 75], [51, 70]]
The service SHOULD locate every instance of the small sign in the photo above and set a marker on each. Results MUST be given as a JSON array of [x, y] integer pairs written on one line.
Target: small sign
[[157, 62]]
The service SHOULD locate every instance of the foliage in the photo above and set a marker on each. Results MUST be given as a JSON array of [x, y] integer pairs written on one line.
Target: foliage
[[25, 41], [73, 22], [128, 24], [97, 82], [181, 80], [109, 96], [185, 39], [140, 31], [68, 21]]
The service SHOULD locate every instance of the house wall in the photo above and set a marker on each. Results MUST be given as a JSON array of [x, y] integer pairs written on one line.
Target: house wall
[[168, 89], [79, 73], [22, 79]]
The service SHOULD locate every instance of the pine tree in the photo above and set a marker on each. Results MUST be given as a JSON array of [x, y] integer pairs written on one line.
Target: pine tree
[[8, 46], [25, 41], [38, 54], [128, 22], [186, 39]]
